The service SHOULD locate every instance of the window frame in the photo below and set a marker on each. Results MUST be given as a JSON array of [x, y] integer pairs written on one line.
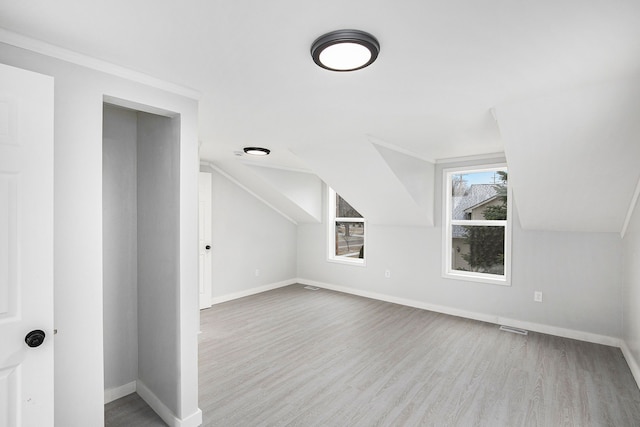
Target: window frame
[[331, 233], [447, 227]]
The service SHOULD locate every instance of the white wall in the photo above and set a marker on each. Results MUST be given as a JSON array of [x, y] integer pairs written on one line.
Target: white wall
[[247, 236], [78, 300], [120, 283], [631, 291], [158, 255], [578, 273]]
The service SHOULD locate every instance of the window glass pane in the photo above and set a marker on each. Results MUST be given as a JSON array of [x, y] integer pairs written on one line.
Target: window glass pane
[[350, 239], [478, 248], [344, 209], [479, 195]]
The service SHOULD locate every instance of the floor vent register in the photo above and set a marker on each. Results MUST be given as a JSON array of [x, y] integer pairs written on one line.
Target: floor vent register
[[514, 330]]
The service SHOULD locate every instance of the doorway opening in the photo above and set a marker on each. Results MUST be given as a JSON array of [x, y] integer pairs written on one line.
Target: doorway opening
[[141, 244]]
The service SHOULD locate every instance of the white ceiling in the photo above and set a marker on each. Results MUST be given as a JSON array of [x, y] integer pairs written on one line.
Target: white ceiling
[[443, 67]]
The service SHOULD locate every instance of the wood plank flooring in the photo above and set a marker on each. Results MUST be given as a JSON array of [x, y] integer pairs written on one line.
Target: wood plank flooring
[[294, 357], [130, 411]]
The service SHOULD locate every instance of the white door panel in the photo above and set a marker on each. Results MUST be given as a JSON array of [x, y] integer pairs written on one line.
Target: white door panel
[[26, 247], [205, 239]]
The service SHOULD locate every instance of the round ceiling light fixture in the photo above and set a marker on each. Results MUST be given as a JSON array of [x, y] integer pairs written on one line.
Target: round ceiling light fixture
[[256, 151], [345, 50]]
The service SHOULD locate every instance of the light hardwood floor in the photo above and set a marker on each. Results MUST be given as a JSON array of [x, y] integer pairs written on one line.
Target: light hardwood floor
[[294, 357]]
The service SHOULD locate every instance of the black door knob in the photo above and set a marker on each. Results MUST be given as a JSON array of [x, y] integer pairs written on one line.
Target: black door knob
[[34, 338], [207, 247]]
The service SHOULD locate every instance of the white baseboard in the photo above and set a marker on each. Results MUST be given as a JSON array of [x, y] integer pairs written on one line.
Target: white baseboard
[[631, 361], [152, 400], [530, 326], [252, 291], [116, 393], [193, 420], [165, 413], [156, 404]]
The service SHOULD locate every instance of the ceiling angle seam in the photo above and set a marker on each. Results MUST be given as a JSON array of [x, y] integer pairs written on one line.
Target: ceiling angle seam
[[277, 167], [630, 211], [245, 188], [471, 158], [377, 141], [47, 49]]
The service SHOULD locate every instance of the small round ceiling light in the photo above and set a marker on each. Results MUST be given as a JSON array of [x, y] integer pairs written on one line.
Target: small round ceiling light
[[256, 151], [345, 50]]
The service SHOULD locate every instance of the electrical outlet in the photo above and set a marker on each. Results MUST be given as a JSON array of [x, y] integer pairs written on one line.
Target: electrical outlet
[[257, 273], [537, 296], [387, 274]]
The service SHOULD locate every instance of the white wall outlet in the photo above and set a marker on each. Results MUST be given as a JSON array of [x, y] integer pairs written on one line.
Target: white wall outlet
[[537, 296], [387, 274], [257, 272]]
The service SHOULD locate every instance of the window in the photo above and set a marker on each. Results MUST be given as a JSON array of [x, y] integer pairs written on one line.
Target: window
[[477, 224], [346, 231]]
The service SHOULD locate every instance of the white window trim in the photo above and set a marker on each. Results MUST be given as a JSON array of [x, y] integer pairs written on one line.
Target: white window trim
[[447, 222], [331, 234]]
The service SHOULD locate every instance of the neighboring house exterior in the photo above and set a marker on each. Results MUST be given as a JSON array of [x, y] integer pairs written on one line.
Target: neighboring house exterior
[[470, 206]]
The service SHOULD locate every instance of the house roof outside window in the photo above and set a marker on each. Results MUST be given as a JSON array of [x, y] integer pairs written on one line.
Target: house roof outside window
[[476, 196]]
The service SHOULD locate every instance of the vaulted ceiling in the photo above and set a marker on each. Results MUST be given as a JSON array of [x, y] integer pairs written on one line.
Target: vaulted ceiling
[[553, 84]]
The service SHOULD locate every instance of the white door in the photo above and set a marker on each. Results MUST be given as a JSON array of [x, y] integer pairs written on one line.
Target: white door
[[205, 239], [26, 248]]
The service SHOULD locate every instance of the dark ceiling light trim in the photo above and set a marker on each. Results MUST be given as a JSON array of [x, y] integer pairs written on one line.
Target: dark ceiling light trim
[[256, 151], [345, 50]]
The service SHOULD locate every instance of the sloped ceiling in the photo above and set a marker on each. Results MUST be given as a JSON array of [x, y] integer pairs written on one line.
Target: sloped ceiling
[[574, 156], [381, 184], [442, 68], [415, 175], [301, 188]]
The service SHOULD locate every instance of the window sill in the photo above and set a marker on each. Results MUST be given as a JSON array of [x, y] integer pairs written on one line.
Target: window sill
[[358, 262], [478, 278]]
